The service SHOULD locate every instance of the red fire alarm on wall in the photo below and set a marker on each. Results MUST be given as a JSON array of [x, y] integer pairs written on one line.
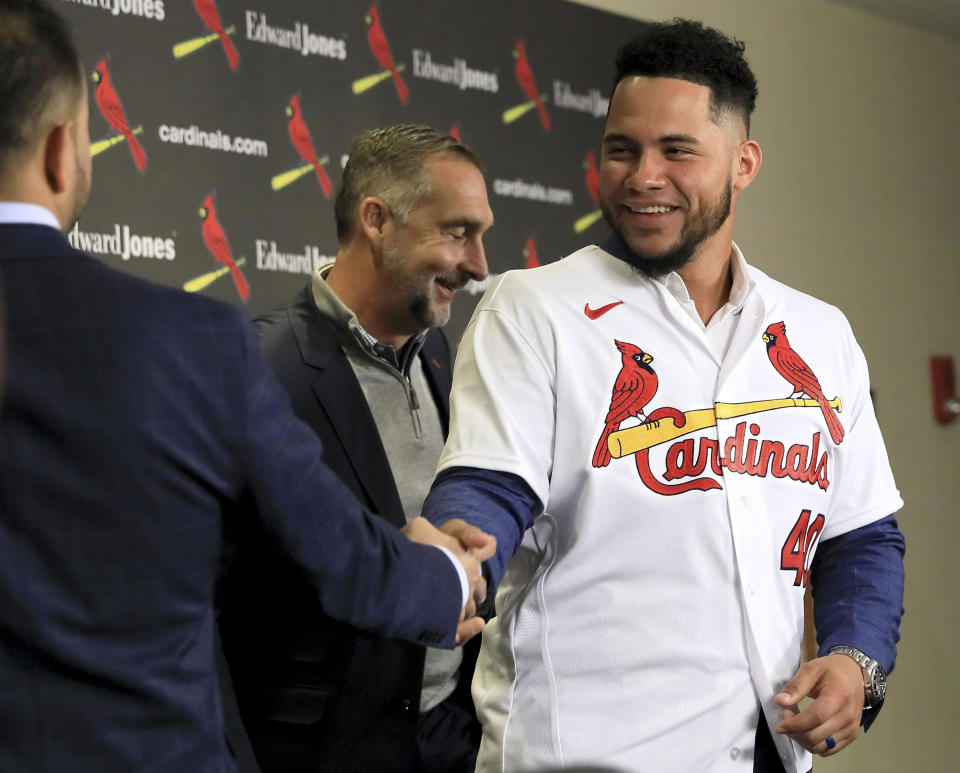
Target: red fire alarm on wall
[[946, 406]]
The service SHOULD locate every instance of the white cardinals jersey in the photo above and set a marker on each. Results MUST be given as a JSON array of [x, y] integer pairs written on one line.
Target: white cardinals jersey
[[658, 601]]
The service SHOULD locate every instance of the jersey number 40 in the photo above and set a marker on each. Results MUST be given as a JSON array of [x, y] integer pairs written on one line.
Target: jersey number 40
[[798, 548]]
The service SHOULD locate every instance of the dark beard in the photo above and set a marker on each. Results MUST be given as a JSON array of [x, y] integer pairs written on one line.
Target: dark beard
[[682, 251]]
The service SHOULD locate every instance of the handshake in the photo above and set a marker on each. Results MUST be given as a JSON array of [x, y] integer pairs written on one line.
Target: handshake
[[471, 547]]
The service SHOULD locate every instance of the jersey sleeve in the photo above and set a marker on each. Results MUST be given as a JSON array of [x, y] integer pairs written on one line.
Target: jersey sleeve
[[503, 403], [864, 481]]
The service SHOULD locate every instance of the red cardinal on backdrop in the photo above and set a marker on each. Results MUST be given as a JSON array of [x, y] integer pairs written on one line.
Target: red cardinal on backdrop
[[211, 17], [381, 50], [216, 241], [791, 366], [592, 179], [455, 133], [634, 388], [300, 135], [112, 111], [531, 252], [525, 77]]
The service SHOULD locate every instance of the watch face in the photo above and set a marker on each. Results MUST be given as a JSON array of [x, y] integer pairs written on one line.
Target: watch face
[[876, 690]]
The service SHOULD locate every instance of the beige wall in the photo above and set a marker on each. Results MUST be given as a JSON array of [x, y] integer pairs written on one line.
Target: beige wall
[[857, 203]]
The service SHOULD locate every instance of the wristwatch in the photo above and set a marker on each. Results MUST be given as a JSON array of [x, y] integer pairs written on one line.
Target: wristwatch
[[874, 677]]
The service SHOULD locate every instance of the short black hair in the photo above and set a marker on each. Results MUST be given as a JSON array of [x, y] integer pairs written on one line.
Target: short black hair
[[39, 70], [687, 50]]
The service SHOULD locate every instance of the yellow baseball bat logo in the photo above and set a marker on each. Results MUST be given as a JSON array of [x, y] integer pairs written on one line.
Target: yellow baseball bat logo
[[189, 46], [283, 179], [512, 114], [644, 436], [368, 82], [583, 223], [102, 145], [198, 283]]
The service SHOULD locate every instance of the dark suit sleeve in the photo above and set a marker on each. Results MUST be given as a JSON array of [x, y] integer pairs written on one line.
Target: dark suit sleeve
[[365, 572]]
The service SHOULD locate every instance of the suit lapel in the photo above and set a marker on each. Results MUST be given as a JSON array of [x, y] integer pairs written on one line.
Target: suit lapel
[[435, 356], [341, 398]]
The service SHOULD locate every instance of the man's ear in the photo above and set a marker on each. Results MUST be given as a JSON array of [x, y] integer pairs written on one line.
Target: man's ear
[[746, 164], [372, 218], [59, 165]]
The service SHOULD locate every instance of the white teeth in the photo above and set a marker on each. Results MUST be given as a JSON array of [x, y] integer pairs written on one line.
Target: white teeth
[[651, 210]]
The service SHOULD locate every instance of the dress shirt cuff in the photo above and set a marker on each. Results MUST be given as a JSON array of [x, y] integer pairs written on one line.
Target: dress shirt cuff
[[461, 573]]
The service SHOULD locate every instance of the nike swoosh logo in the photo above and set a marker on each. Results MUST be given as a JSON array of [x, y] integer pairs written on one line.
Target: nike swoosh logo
[[597, 313]]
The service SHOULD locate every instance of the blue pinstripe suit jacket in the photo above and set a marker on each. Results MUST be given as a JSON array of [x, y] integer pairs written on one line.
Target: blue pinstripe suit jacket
[[138, 426]]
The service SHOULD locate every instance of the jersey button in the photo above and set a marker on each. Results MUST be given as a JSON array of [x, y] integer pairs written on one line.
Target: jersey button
[[735, 753], [744, 500]]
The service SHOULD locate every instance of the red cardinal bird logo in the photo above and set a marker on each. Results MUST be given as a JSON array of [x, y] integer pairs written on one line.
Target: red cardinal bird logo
[[791, 366], [216, 241], [530, 251], [300, 136], [525, 78], [592, 179], [211, 17], [381, 50], [635, 386], [110, 108]]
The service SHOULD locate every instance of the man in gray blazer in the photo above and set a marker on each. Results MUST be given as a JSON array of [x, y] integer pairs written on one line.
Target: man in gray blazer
[[361, 353]]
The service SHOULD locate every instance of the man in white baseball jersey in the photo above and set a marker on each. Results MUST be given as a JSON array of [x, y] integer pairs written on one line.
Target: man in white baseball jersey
[[668, 445]]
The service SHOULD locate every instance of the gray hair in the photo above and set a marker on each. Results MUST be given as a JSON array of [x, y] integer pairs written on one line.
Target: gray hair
[[392, 163]]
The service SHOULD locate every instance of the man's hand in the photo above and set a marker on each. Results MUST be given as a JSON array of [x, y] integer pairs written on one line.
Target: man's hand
[[479, 543], [481, 546], [471, 546], [835, 682]]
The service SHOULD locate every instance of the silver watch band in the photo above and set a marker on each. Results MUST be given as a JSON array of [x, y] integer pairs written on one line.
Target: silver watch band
[[874, 677], [867, 663]]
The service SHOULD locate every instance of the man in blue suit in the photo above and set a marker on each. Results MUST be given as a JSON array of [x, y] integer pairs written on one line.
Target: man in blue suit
[[139, 426]]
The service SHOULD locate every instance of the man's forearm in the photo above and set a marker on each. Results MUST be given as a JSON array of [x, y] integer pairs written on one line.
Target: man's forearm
[[857, 582], [499, 503]]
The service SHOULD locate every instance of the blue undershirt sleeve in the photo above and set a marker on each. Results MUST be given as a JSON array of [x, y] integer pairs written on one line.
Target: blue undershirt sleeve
[[499, 503], [857, 585]]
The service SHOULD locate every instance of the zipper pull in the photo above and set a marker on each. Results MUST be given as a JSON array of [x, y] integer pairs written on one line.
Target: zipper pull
[[415, 410]]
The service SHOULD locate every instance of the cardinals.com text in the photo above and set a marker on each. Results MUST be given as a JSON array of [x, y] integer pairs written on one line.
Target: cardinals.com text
[[196, 137]]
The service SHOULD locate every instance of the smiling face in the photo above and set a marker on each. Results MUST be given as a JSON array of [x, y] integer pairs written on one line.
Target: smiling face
[[669, 171], [439, 247]]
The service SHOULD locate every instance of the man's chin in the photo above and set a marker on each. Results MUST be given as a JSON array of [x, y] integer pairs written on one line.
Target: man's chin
[[659, 263], [440, 316], [427, 313]]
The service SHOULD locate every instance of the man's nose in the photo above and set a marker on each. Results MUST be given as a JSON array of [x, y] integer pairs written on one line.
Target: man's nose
[[476, 260], [648, 173]]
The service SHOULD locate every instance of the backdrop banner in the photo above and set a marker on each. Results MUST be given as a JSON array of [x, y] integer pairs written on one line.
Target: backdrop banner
[[194, 106]]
